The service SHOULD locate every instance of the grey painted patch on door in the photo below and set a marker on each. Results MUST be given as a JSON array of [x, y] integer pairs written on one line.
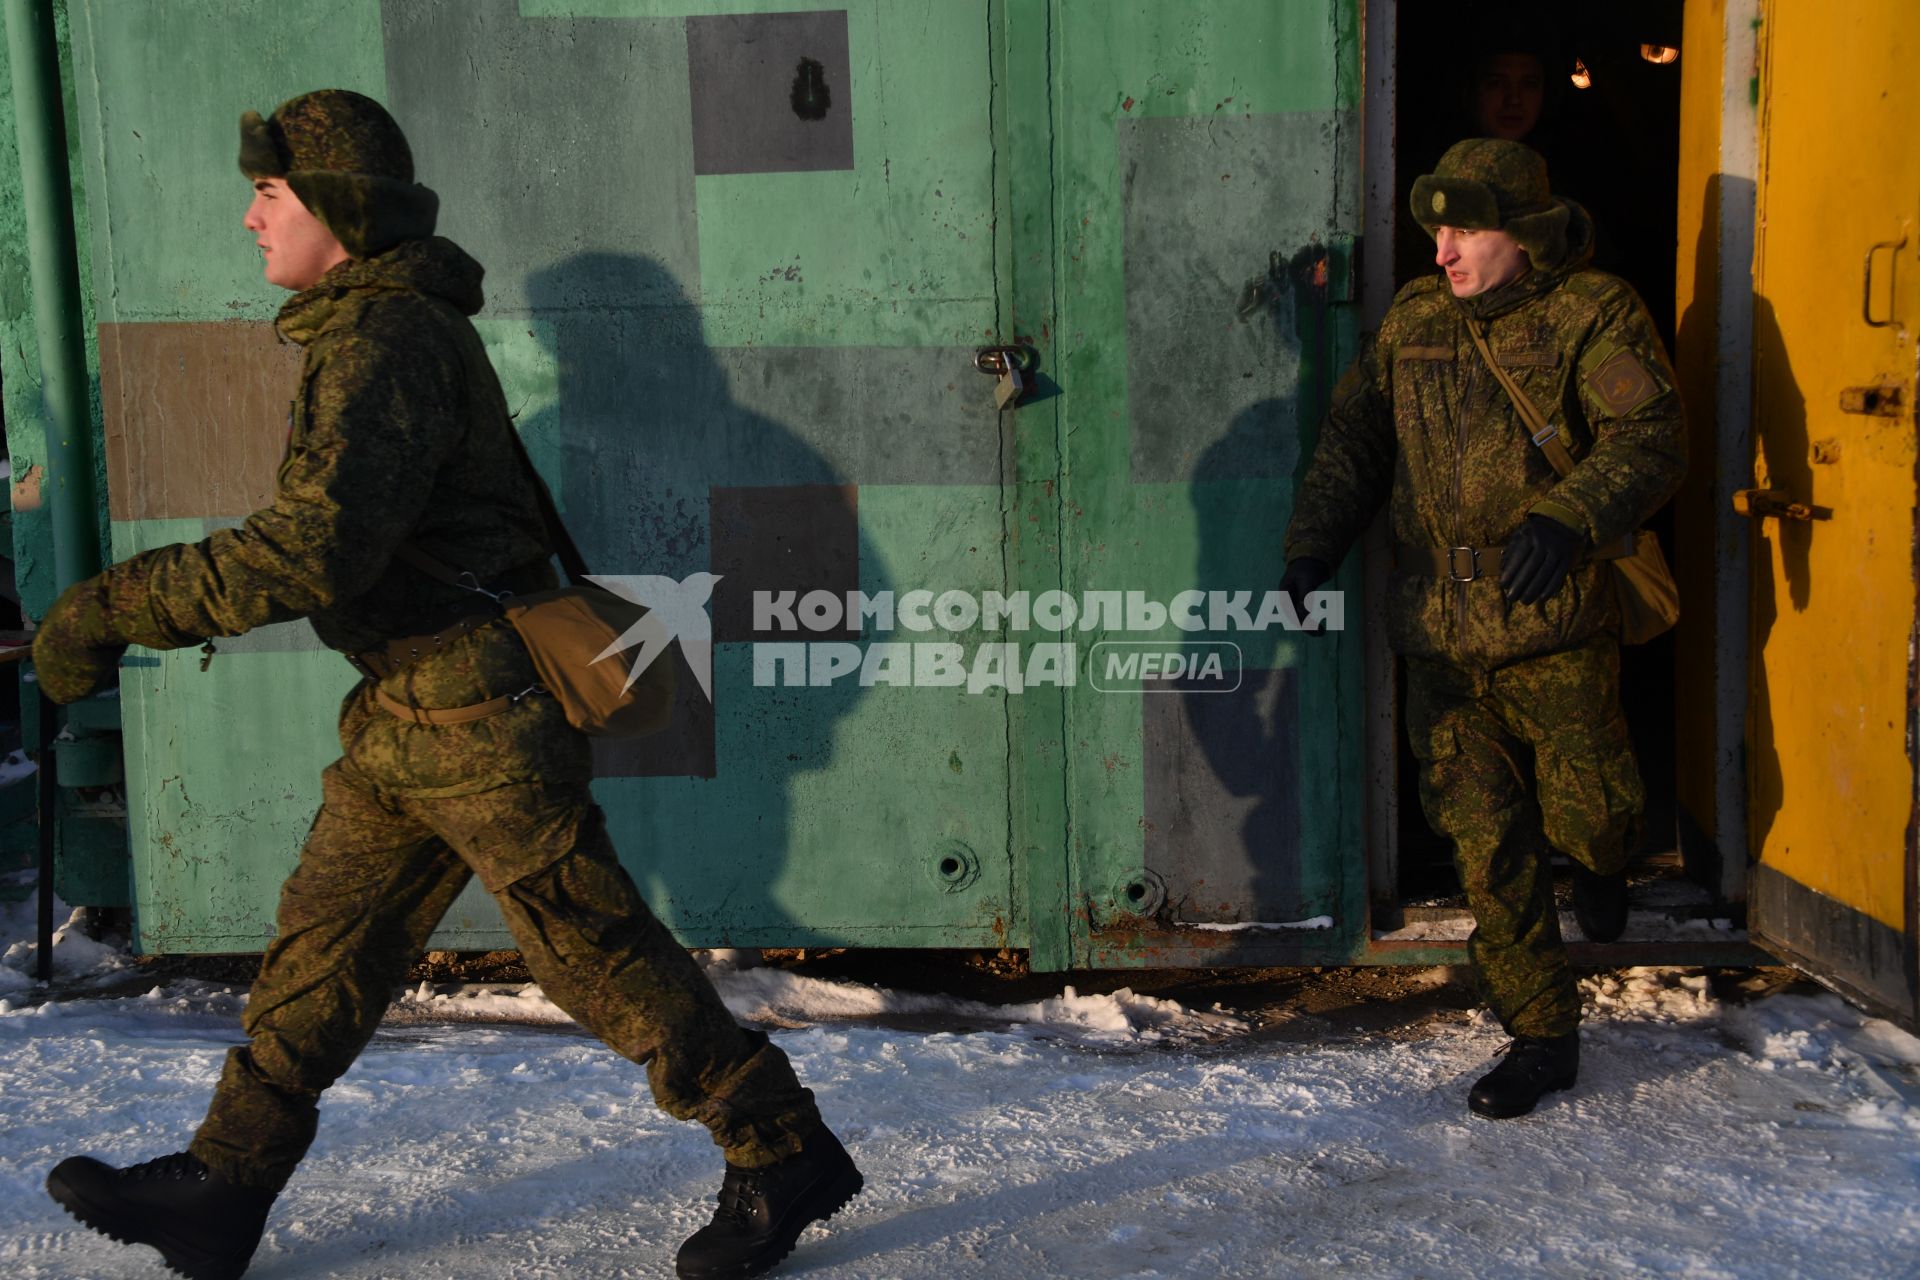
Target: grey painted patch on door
[[1221, 795], [1208, 202], [771, 92], [547, 138]]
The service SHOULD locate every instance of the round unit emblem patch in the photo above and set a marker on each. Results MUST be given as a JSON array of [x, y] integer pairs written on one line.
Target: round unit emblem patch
[[1439, 202]]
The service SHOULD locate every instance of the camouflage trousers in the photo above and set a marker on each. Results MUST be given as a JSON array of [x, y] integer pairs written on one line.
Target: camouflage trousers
[[408, 816], [1516, 762]]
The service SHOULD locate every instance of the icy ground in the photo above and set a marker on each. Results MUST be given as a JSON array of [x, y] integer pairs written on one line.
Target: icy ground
[[1112, 1135]]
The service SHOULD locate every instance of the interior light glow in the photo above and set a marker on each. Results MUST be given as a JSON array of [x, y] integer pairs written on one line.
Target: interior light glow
[[1582, 78], [1658, 54]]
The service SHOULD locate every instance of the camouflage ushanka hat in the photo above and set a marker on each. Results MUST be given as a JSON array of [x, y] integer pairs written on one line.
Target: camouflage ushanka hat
[[1489, 184], [347, 160]]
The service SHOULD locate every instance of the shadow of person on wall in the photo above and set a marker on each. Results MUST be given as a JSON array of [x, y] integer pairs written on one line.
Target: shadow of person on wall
[[1243, 813], [1783, 463], [659, 471], [1695, 538]]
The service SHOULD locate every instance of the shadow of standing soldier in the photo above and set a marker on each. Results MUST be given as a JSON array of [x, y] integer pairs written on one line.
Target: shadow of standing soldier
[[660, 471], [1252, 737]]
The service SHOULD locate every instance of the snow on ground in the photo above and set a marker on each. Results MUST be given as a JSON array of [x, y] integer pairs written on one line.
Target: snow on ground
[[778, 998], [78, 960], [1097, 1136]]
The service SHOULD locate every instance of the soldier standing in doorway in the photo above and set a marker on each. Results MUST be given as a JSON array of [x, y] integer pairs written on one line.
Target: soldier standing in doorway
[[454, 764], [1502, 599]]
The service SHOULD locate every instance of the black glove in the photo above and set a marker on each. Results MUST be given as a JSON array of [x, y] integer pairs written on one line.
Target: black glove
[[1304, 575], [1536, 559]]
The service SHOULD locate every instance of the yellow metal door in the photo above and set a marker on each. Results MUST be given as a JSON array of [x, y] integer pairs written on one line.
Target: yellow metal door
[[1837, 297]]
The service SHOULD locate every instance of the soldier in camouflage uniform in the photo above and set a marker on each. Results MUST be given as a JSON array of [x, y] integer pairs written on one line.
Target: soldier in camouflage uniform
[[1502, 601], [399, 434]]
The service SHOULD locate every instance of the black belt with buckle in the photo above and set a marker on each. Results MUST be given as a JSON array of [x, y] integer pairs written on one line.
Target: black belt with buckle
[[1461, 564], [1464, 564]]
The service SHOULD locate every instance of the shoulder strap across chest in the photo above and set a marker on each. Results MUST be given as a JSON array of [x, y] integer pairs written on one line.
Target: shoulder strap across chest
[[1543, 433]]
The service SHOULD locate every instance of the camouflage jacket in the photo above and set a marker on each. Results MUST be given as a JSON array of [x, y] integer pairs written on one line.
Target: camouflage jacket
[[398, 431], [1419, 421]]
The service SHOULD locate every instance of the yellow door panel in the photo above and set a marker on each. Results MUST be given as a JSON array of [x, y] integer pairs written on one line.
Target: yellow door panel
[[1837, 283]]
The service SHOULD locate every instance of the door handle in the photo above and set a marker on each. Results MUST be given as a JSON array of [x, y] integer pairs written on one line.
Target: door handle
[[1866, 291]]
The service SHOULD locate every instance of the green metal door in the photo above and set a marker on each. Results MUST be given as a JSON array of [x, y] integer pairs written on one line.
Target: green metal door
[[1206, 173], [738, 265]]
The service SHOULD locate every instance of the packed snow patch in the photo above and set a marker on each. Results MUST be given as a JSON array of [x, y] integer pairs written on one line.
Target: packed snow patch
[[75, 955], [793, 1000], [16, 767], [1256, 926]]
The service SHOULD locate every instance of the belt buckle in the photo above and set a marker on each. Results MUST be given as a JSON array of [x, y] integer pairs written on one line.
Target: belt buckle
[[1453, 563]]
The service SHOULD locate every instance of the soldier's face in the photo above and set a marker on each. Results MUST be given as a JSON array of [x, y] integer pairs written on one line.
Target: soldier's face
[[297, 246], [1508, 97], [1476, 261]]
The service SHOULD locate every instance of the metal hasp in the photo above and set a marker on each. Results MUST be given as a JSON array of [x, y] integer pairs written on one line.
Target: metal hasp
[[1884, 401], [1758, 504]]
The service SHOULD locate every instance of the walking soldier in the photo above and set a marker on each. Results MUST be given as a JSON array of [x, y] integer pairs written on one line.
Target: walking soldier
[[454, 764]]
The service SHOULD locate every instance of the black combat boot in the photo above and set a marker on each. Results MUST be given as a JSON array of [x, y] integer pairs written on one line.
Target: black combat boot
[[204, 1226], [763, 1211], [1600, 904], [1532, 1069]]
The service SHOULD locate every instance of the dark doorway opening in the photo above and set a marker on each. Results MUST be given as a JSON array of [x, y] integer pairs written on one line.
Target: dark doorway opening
[[1613, 145]]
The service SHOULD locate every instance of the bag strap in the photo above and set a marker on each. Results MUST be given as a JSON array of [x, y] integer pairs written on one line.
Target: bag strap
[[413, 554], [571, 561], [1546, 436], [1543, 433]]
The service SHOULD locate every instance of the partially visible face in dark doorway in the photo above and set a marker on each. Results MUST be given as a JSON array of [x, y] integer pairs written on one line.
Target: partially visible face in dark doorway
[[1508, 95]]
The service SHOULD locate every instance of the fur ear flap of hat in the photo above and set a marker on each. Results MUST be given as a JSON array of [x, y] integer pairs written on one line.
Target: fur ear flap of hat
[[263, 152], [367, 214], [1542, 235], [1487, 184], [347, 161]]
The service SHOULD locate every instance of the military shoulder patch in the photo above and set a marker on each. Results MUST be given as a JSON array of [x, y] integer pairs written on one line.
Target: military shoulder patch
[[1620, 382]]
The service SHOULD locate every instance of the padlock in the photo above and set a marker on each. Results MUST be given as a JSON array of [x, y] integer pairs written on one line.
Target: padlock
[[1008, 389]]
